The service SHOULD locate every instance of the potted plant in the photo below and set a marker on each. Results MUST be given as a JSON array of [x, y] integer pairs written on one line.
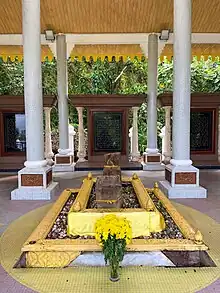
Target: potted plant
[[113, 233]]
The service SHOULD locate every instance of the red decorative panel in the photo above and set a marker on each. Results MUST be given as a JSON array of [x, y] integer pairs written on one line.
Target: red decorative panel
[[49, 177], [63, 160], [168, 175], [31, 180], [185, 178], [153, 159]]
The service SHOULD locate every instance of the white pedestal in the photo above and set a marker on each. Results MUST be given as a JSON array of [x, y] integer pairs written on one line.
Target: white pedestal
[[152, 162], [64, 168], [182, 182], [64, 163], [35, 184]]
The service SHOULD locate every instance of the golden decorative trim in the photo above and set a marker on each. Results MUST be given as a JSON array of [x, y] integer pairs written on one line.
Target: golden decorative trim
[[183, 225], [59, 245], [84, 193], [50, 259], [46, 224], [142, 194]]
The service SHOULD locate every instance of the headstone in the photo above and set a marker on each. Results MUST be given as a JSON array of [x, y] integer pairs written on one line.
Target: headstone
[[112, 164], [108, 192]]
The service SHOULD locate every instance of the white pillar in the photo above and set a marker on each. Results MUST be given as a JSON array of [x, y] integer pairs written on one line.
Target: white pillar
[[152, 94], [81, 147], [48, 143], [33, 84], [182, 179], [71, 138], [152, 158], [35, 180], [62, 95], [135, 155], [167, 136]]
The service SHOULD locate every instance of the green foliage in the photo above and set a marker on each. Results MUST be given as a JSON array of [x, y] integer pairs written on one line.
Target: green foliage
[[114, 249], [111, 77]]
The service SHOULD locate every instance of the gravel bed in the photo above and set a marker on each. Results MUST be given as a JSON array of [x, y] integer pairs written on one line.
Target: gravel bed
[[171, 231], [59, 229]]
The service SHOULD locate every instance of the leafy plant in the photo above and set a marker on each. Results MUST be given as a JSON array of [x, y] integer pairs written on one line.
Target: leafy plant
[[113, 233]]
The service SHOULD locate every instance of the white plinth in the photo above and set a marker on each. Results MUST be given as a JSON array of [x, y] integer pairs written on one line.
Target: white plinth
[[35, 184], [35, 193], [64, 168], [182, 182], [153, 166], [182, 192]]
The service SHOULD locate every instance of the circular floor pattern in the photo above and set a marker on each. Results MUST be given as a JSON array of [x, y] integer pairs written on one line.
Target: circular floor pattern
[[95, 280]]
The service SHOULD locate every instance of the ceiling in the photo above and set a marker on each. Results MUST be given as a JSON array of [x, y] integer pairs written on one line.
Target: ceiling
[[110, 16]]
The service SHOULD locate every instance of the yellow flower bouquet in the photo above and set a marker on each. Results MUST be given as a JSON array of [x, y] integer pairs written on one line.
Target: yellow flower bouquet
[[113, 233]]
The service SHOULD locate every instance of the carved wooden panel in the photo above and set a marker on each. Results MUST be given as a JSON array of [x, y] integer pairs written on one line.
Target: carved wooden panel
[[168, 175], [32, 180], [153, 159], [185, 178], [49, 177], [63, 160]]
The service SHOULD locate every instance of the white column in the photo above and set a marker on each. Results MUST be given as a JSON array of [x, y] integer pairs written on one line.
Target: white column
[[182, 179], [181, 84], [33, 84], [135, 155], [167, 136], [71, 138], [62, 89], [35, 180], [48, 143], [81, 147], [152, 94]]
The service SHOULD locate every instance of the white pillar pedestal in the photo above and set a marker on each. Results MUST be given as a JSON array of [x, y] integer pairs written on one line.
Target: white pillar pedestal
[[182, 179], [64, 159], [152, 158], [81, 147], [182, 182], [35, 180], [48, 143], [135, 154]]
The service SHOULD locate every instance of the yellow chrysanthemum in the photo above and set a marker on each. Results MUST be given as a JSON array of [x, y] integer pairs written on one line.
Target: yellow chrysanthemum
[[111, 225]]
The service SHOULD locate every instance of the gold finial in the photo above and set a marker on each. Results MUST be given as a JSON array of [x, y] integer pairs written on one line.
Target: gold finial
[[89, 176], [135, 176], [156, 185], [77, 207], [150, 205], [198, 237]]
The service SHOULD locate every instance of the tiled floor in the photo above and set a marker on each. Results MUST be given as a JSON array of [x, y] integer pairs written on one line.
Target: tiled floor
[[10, 210]]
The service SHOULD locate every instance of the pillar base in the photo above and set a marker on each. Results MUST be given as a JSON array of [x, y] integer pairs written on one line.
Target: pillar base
[[182, 182], [35, 184], [152, 162], [64, 163], [135, 157]]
